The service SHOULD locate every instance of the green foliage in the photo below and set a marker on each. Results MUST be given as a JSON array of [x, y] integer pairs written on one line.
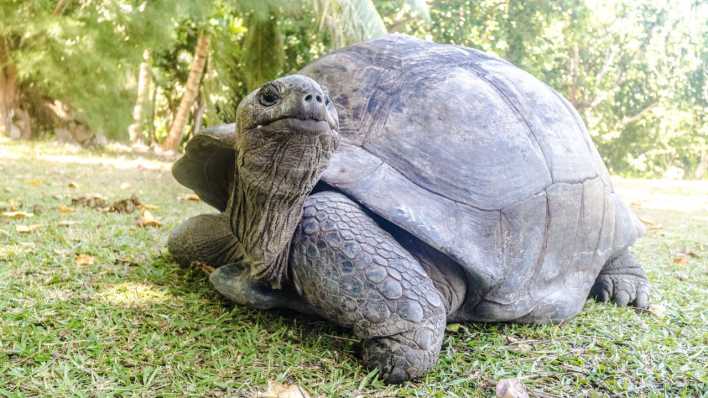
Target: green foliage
[[86, 55], [635, 70]]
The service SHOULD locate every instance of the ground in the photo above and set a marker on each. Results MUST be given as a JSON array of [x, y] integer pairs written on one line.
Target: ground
[[92, 305]]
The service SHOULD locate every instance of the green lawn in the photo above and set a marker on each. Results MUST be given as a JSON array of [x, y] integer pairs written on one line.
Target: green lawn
[[133, 324]]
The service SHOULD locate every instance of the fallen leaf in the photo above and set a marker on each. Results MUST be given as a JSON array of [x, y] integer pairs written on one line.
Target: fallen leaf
[[83, 259], [657, 310], [277, 390], [202, 266], [72, 185], [511, 388], [148, 220], [128, 205], [65, 209], [17, 215], [190, 197], [149, 206], [681, 260], [23, 229], [93, 201]]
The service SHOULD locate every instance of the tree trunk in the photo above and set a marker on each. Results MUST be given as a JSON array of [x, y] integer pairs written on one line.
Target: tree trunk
[[59, 8], [24, 123], [191, 92], [199, 115], [135, 131], [8, 90]]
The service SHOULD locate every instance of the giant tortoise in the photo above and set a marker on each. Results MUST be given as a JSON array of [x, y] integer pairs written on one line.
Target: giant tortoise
[[398, 184]]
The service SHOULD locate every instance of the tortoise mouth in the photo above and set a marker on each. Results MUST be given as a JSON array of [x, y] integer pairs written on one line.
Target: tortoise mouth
[[296, 124]]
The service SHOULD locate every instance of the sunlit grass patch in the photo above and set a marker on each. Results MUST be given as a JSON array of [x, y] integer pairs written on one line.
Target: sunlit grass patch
[[123, 320], [133, 295]]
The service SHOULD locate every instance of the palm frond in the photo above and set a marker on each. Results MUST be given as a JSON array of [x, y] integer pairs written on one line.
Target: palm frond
[[419, 8], [349, 21]]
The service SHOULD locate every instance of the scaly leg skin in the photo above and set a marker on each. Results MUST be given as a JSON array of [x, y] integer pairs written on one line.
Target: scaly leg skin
[[235, 283], [357, 275], [205, 238], [623, 281]]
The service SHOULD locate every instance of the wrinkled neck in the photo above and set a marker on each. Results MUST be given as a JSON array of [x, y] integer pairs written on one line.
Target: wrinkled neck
[[273, 180]]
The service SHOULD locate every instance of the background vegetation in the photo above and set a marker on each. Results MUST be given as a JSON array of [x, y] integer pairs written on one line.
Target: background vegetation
[[150, 71]]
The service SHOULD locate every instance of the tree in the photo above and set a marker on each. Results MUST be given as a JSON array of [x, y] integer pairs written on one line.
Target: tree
[[81, 54], [135, 131], [191, 91]]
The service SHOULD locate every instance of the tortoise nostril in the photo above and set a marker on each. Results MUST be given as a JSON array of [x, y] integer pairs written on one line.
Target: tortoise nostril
[[318, 98], [308, 97]]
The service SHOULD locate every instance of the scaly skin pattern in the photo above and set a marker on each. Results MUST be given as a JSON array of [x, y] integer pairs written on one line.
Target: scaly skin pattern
[[623, 281], [357, 275], [205, 238]]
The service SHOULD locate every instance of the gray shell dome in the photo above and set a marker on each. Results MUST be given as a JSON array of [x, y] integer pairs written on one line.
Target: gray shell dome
[[481, 161], [470, 155]]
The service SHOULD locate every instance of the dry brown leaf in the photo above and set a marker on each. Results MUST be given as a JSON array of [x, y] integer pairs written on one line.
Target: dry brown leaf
[[128, 205], [148, 220], [65, 209], [84, 259], [681, 259], [72, 185], [277, 390], [693, 254], [24, 229], [202, 266], [93, 201], [17, 215], [511, 388], [190, 197]]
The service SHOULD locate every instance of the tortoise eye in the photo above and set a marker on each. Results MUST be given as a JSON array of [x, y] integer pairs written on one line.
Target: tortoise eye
[[268, 95]]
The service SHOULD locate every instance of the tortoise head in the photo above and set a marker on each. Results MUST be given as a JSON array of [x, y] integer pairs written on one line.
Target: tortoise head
[[286, 134], [287, 131]]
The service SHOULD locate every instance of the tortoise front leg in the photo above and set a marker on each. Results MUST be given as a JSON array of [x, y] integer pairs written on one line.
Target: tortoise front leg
[[207, 238], [357, 275]]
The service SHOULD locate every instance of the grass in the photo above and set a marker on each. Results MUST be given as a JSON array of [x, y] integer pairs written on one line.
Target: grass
[[133, 324]]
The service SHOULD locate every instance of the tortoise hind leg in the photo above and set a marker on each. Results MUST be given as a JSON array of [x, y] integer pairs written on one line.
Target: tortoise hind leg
[[357, 275], [205, 238], [623, 281]]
